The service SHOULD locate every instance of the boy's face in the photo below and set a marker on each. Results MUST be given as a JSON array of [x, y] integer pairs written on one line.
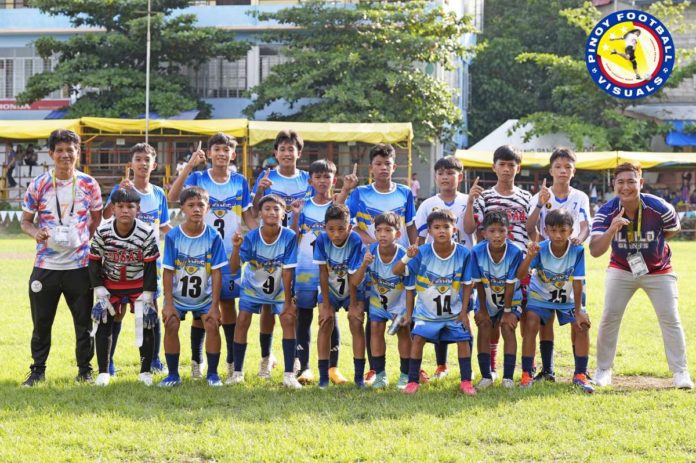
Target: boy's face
[[272, 213], [322, 181], [448, 179], [386, 235], [221, 155], [194, 209], [627, 185], [143, 163], [442, 231], [559, 234], [382, 168], [506, 170], [496, 234], [65, 155], [287, 154], [338, 230], [126, 213], [562, 170]]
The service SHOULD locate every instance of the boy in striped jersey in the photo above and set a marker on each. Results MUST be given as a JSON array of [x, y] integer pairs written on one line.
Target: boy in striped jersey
[[123, 268]]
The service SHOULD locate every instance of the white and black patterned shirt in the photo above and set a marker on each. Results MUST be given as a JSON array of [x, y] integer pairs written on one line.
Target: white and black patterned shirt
[[515, 205]]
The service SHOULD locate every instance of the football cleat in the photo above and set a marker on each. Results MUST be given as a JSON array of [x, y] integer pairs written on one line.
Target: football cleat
[[145, 378], [305, 377], [467, 388], [440, 372], [508, 383], [33, 378], [581, 381], [370, 377], [102, 379], [549, 376], [411, 388], [336, 377], [158, 367], [323, 385], [526, 381], [170, 381], [484, 383], [381, 381], [230, 373], [403, 381], [236, 378], [602, 377], [423, 377], [84, 377], [290, 381], [196, 370], [266, 365], [214, 380]]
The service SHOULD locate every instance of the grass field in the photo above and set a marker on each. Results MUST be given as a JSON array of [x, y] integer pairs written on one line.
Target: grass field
[[639, 419]]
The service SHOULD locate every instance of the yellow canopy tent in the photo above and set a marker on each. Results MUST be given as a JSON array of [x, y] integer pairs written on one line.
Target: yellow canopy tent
[[539, 160], [234, 127], [34, 130]]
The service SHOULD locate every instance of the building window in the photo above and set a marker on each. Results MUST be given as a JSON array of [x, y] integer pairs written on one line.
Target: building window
[[220, 78], [269, 57], [17, 65], [13, 4]]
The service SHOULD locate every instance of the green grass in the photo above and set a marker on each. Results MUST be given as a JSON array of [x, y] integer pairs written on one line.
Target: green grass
[[61, 421]]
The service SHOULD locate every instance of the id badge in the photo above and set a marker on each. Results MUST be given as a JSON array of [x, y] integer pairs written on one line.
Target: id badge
[[61, 235], [637, 264]]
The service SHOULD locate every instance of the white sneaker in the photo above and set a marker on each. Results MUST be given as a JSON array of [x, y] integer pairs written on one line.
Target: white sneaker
[[682, 380], [484, 383], [494, 375], [145, 378], [266, 365], [103, 379], [230, 373], [508, 383], [290, 381], [602, 377], [196, 370], [236, 378]]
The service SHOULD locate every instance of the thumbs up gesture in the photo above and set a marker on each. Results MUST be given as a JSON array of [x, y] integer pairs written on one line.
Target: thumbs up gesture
[[544, 194], [351, 180]]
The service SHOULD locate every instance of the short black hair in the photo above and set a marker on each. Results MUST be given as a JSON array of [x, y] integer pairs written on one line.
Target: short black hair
[[124, 195], [384, 150], [193, 192], [443, 215], [222, 139], [142, 148], [64, 136], [389, 218], [322, 166], [559, 218], [507, 153], [285, 136], [273, 199], [449, 162], [563, 152], [337, 212], [495, 217]]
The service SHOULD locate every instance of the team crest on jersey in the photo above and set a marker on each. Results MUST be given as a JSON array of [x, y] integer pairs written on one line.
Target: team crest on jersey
[[219, 207], [629, 54], [443, 285], [557, 279], [271, 266], [497, 285], [191, 264]]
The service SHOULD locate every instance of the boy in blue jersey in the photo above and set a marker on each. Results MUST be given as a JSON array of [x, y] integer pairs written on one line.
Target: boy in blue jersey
[[438, 274], [387, 296], [230, 204], [155, 213], [193, 258], [270, 254], [493, 270], [338, 251], [368, 201], [308, 222], [558, 272]]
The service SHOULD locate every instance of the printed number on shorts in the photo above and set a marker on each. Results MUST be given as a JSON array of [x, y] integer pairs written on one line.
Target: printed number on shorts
[[558, 296], [384, 301], [220, 225], [443, 304], [231, 285], [191, 286], [269, 285]]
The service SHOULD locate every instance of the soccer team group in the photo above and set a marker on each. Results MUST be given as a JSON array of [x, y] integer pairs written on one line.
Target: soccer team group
[[291, 246]]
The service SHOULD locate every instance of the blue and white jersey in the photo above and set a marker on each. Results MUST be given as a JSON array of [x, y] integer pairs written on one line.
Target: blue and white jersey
[[340, 260], [227, 202], [494, 275], [366, 203], [577, 203], [262, 279], [153, 208], [310, 225], [551, 286], [193, 258], [288, 188], [438, 282], [386, 290]]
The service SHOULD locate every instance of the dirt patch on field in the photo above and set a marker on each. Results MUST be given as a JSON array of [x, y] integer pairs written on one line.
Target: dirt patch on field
[[641, 382]]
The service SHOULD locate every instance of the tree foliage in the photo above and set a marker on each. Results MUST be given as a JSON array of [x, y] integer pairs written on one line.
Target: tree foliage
[[110, 64], [366, 63]]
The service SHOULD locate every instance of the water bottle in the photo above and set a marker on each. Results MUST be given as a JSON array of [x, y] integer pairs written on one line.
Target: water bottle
[[396, 324]]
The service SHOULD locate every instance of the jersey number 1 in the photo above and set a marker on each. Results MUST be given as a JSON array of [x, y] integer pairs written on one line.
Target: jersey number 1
[[194, 290], [443, 304]]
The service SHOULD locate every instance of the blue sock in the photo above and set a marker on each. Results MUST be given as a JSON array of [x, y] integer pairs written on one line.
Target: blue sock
[[379, 363], [173, 364], [441, 353], [115, 331], [484, 361], [465, 368], [414, 367], [197, 339], [323, 372], [213, 361], [265, 340], [229, 340], [509, 366], [335, 345], [403, 368], [359, 368], [527, 364], [546, 349], [580, 364], [158, 340], [304, 336], [289, 346], [239, 352]]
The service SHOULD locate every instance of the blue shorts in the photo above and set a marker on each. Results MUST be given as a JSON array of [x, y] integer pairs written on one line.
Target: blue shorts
[[378, 314], [197, 314], [306, 299], [342, 303], [441, 331], [564, 316], [245, 305], [230, 284], [497, 314]]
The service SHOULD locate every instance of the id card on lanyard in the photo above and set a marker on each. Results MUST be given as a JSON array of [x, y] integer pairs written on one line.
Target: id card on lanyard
[[61, 233], [635, 258]]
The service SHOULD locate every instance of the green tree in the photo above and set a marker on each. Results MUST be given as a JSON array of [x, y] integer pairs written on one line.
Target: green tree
[[366, 63], [110, 65]]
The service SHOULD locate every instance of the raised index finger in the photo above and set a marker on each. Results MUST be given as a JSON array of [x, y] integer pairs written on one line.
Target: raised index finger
[[268, 172], [355, 169], [543, 184], [475, 182]]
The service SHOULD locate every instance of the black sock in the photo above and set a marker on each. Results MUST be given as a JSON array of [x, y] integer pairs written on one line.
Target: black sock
[[304, 336], [414, 368], [323, 371], [484, 361], [147, 349], [197, 339], [239, 352], [441, 353], [335, 345], [265, 340], [172, 363], [229, 340], [509, 361], [359, 370], [379, 363], [213, 361], [289, 346], [403, 368], [103, 341], [115, 332], [546, 349], [465, 368]]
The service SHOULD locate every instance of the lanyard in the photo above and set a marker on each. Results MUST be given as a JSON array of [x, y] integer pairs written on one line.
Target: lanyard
[[55, 190], [634, 237]]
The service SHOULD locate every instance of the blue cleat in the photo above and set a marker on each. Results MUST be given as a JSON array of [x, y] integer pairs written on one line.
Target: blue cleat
[[171, 381], [324, 384], [214, 380], [581, 381], [112, 368], [158, 367]]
